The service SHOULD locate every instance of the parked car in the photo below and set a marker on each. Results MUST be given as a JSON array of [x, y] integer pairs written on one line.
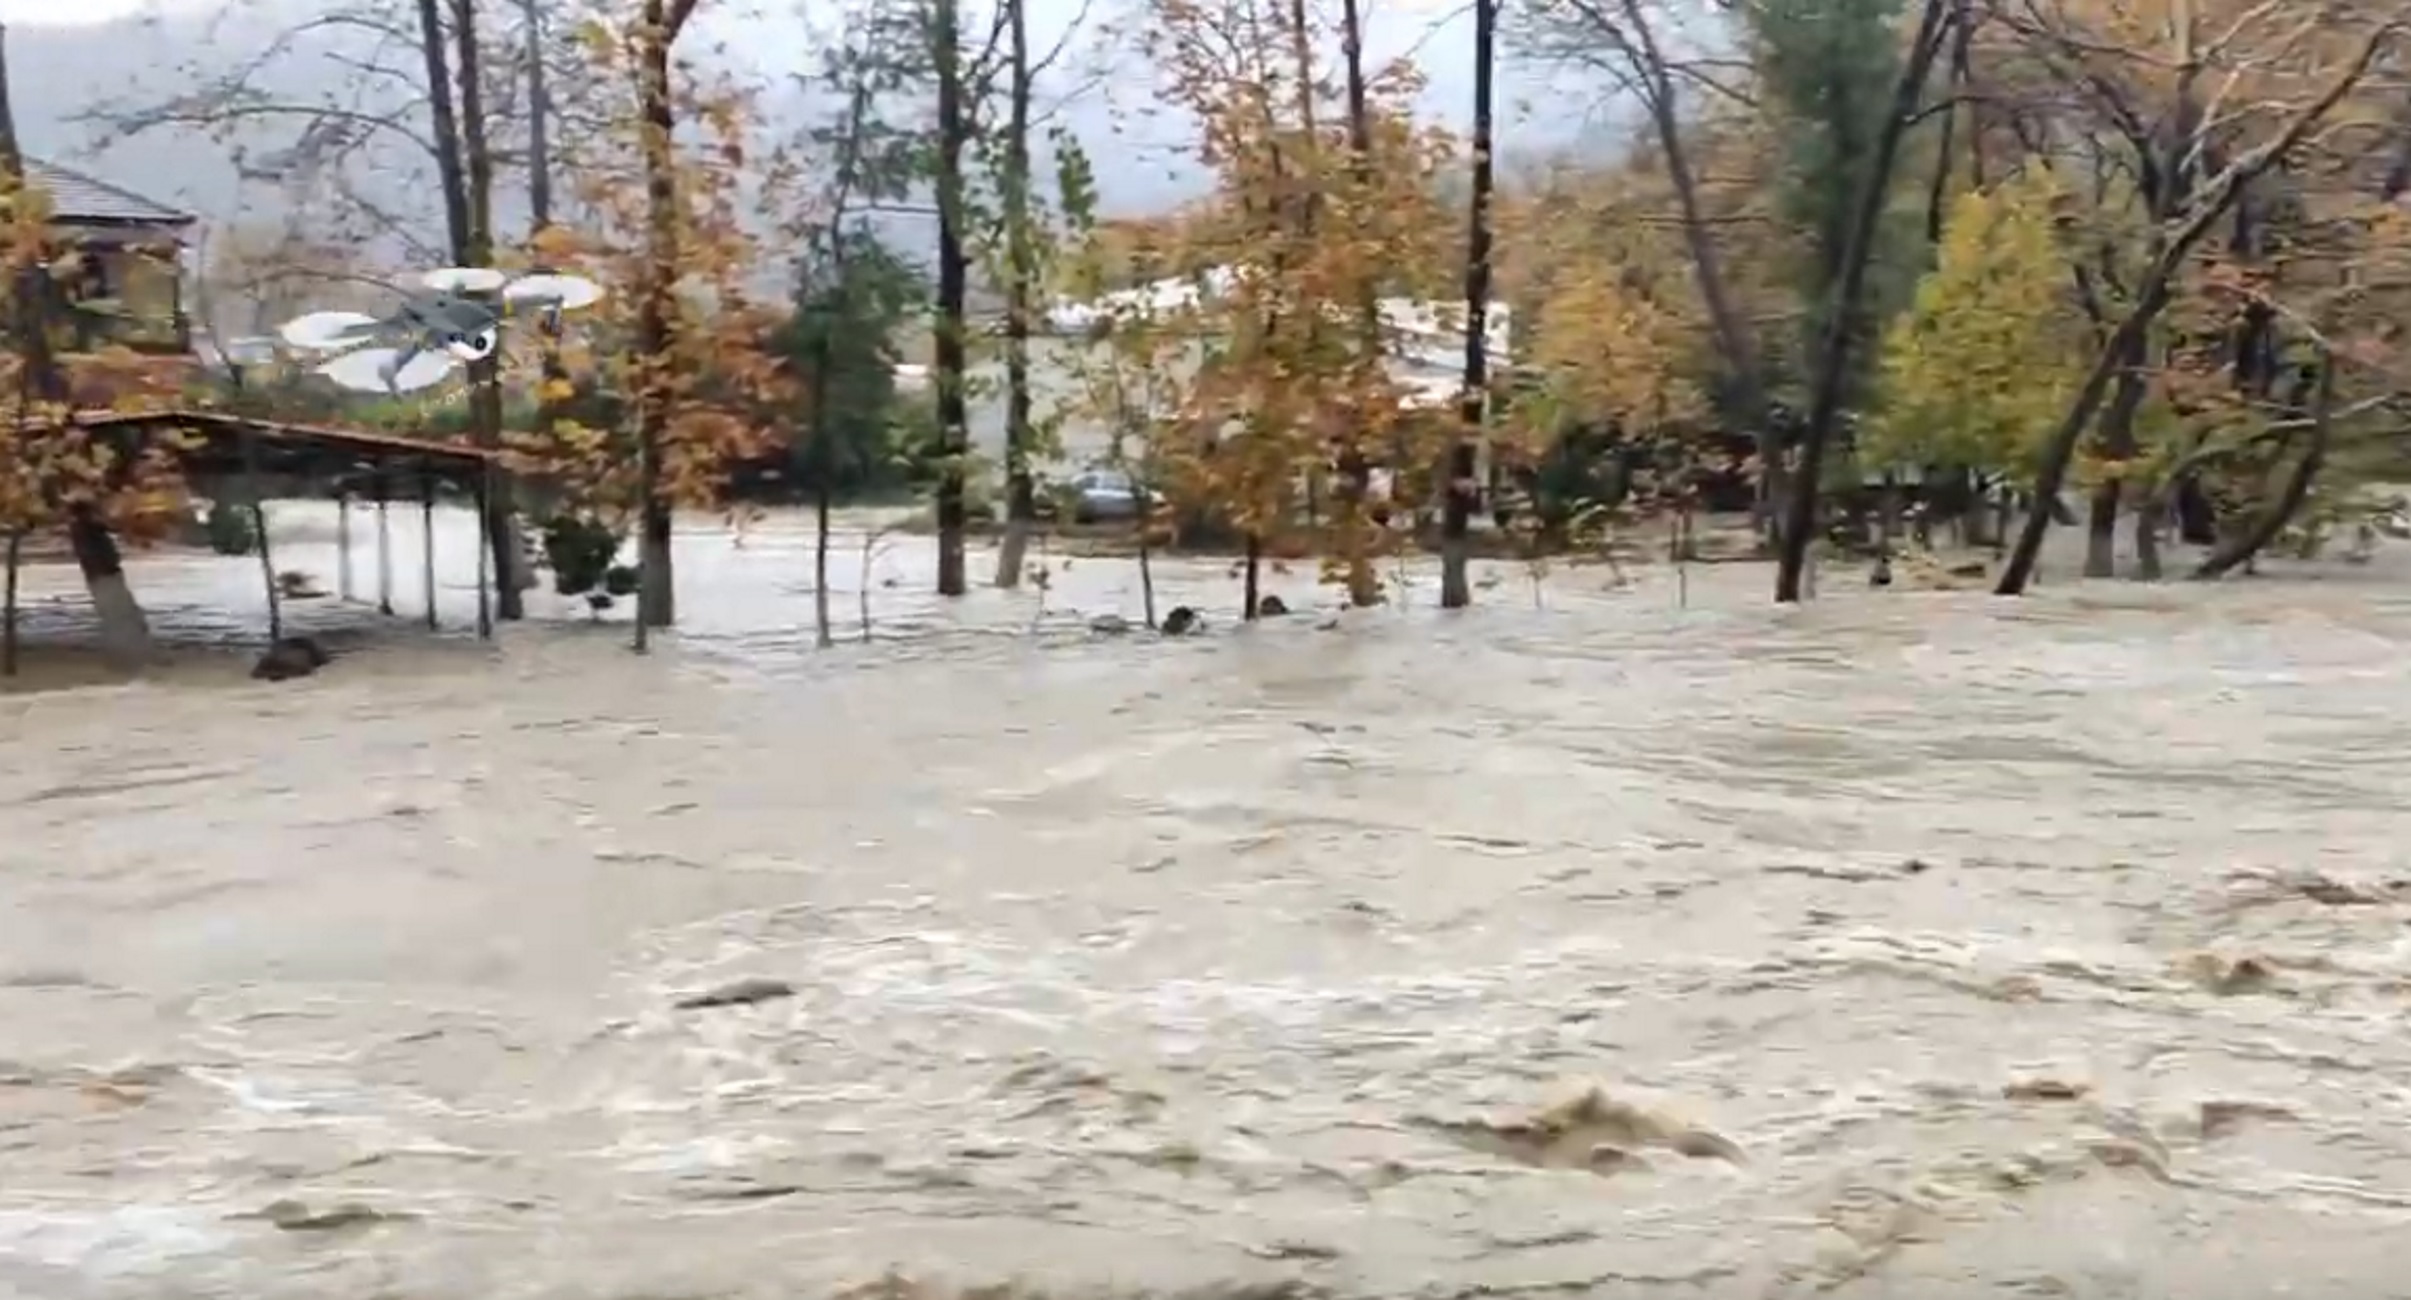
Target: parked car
[[1108, 494]]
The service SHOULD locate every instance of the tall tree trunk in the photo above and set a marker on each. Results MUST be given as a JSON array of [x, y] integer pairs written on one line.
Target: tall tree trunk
[[540, 206], [1456, 589], [1021, 288], [125, 632], [485, 377], [539, 118], [1355, 462], [1734, 338], [1800, 509], [1938, 196], [656, 601], [953, 361], [2241, 549], [444, 126]]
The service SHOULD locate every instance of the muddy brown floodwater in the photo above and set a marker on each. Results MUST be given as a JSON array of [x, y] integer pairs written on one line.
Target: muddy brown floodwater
[[1902, 945]]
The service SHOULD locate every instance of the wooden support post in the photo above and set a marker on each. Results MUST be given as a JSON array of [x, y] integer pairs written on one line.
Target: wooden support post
[[259, 528], [427, 538], [485, 598], [384, 548]]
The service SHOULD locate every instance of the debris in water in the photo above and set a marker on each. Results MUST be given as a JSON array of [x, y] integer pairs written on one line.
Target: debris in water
[[2045, 1089], [293, 584], [1592, 1131], [297, 1216], [1109, 625], [2275, 886], [2119, 1153], [1182, 621], [290, 657], [1291, 1249], [1270, 606], [2220, 1118], [2232, 977], [744, 992]]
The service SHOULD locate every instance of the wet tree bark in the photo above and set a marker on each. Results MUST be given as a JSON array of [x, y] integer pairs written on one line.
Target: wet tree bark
[[953, 362], [1800, 507], [1456, 520], [8, 606]]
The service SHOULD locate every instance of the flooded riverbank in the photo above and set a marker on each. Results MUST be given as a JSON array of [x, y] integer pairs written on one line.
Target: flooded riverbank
[[1913, 944]]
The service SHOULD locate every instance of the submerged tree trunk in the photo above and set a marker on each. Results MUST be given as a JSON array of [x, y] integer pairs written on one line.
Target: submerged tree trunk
[[2118, 441], [2243, 548], [2151, 517], [823, 635], [656, 604], [8, 606], [2101, 530], [1021, 287], [1456, 588], [824, 458], [1146, 552], [125, 633], [1252, 584], [1800, 508], [485, 377], [953, 362]]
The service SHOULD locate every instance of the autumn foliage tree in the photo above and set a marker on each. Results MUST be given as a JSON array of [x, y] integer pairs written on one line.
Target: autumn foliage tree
[[1309, 228], [671, 379], [58, 477]]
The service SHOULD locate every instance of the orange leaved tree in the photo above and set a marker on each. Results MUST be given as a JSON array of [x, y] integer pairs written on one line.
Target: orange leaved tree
[[666, 383], [56, 476], [1322, 221]]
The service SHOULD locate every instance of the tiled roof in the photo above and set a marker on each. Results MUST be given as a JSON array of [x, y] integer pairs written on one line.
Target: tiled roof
[[75, 196]]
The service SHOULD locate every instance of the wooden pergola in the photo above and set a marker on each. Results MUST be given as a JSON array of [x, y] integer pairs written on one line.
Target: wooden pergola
[[354, 462]]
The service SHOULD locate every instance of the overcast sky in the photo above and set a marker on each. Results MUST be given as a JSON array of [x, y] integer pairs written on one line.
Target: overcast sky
[[1141, 149]]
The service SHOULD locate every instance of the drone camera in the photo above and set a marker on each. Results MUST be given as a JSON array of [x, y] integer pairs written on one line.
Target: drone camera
[[470, 347]]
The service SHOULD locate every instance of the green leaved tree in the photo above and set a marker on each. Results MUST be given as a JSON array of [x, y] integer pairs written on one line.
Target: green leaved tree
[[1980, 368]]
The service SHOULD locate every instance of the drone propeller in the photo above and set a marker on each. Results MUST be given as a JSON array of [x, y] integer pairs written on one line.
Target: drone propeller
[[547, 289], [464, 279], [324, 331], [375, 370]]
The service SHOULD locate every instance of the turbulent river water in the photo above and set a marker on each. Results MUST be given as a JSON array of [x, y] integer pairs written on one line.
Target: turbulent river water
[[1912, 945]]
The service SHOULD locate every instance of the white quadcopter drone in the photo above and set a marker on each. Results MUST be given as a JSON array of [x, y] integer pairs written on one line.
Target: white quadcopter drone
[[437, 329]]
